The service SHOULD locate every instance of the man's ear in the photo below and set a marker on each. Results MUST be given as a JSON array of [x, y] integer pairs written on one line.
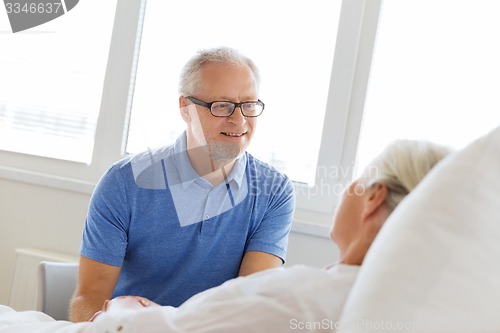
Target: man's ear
[[184, 109], [374, 200]]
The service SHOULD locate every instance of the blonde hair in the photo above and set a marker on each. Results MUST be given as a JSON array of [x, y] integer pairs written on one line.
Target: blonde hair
[[402, 165], [190, 78]]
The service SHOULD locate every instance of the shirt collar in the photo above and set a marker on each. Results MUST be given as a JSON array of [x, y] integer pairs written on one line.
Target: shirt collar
[[188, 175]]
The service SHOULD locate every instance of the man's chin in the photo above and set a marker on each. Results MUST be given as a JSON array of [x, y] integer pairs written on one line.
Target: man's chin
[[225, 152]]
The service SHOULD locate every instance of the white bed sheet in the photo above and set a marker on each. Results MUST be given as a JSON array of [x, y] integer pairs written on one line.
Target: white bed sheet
[[278, 300]]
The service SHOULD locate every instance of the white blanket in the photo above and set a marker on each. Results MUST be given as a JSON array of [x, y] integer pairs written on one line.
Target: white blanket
[[278, 300], [30, 322]]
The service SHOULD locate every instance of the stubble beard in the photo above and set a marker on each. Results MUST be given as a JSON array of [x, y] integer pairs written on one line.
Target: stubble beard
[[224, 152]]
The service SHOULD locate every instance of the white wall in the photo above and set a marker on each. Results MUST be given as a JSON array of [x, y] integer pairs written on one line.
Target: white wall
[[39, 217], [52, 219], [310, 250]]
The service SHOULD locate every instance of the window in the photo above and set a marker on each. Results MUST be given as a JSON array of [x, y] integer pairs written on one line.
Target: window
[[329, 44], [435, 74], [51, 83], [431, 59], [292, 42]]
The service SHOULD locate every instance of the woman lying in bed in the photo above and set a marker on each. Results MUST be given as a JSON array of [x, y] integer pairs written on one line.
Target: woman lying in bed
[[299, 297]]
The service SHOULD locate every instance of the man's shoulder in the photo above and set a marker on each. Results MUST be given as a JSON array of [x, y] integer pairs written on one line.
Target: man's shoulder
[[142, 161], [148, 156], [141, 167]]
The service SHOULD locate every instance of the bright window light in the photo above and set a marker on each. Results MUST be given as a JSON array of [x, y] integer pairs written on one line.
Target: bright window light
[[435, 74], [292, 42], [51, 82]]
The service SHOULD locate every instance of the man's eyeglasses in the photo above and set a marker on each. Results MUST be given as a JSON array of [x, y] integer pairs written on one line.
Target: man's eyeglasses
[[226, 109]]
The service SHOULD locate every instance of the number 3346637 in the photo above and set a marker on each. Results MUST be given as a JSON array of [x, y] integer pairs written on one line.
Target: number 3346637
[[33, 8]]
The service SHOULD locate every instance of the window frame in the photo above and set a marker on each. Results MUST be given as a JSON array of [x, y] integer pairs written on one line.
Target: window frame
[[342, 123], [111, 123], [344, 109]]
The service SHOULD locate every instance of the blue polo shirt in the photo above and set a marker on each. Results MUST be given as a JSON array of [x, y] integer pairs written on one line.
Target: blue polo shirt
[[173, 233]]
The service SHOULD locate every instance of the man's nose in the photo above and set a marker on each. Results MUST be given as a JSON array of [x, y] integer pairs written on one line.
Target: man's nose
[[237, 117]]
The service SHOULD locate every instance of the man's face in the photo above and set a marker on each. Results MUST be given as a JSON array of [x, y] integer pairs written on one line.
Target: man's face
[[226, 137]]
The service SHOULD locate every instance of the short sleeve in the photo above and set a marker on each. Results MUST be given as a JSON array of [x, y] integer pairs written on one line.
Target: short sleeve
[[271, 236], [105, 232]]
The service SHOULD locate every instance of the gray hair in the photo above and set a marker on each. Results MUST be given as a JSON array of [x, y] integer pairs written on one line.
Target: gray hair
[[402, 165], [190, 78]]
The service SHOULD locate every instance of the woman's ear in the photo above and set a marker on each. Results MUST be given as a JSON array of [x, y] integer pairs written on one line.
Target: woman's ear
[[374, 200], [184, 109]]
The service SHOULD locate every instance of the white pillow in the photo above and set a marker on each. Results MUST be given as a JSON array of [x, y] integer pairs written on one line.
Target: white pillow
[[435, 266]]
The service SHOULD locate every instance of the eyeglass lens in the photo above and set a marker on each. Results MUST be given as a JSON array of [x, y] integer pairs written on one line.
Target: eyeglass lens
[[226, 108]]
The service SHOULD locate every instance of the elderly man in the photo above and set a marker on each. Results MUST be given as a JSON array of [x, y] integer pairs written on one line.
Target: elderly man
[[168, 223]]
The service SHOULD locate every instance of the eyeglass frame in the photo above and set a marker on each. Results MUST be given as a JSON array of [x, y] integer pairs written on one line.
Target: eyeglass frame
[[208, 105]]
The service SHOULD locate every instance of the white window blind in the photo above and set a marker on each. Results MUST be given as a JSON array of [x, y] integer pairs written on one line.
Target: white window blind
[[51, 82]]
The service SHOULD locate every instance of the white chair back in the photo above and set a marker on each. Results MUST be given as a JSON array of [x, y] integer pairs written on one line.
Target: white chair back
[[56, 285]]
